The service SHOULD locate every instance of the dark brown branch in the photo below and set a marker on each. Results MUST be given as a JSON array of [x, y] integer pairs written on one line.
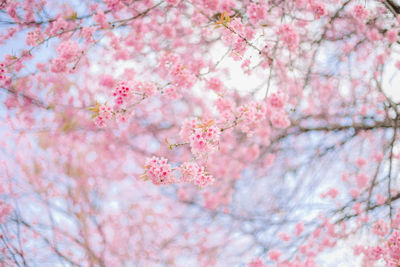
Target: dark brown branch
[[392, 6], [388, 202]]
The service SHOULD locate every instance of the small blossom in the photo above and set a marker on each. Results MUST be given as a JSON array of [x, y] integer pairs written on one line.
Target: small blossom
[[333, 192], [274, 255], [173, 2], [392, 35], [284, 237], [360, 162], [355, 193], [361, 180], [107, 80], [360, 12], [380, 228], [299, 228], [318, 10], [256, 263], [380, 200]]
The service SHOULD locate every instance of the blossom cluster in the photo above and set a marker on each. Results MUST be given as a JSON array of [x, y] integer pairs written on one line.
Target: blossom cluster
[[178, 73], [234, 35], [278, 116], [34, 37], [68, 51], [215, 84], [3, 76], [257, 12], [193, 173], [160, 172], [5, 211], [360, 12], [251, 117], [57, 26], [256, 263], [288, 34], [202, 134], [105, 114], [125, 96], [253, 113], [173, 42], [318, 10], [389, 251]]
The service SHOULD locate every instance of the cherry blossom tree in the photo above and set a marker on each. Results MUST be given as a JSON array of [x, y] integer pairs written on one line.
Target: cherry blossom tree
[[199, 133]]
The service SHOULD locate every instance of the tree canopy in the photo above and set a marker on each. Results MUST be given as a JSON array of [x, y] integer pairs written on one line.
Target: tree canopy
[[199, 133]]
